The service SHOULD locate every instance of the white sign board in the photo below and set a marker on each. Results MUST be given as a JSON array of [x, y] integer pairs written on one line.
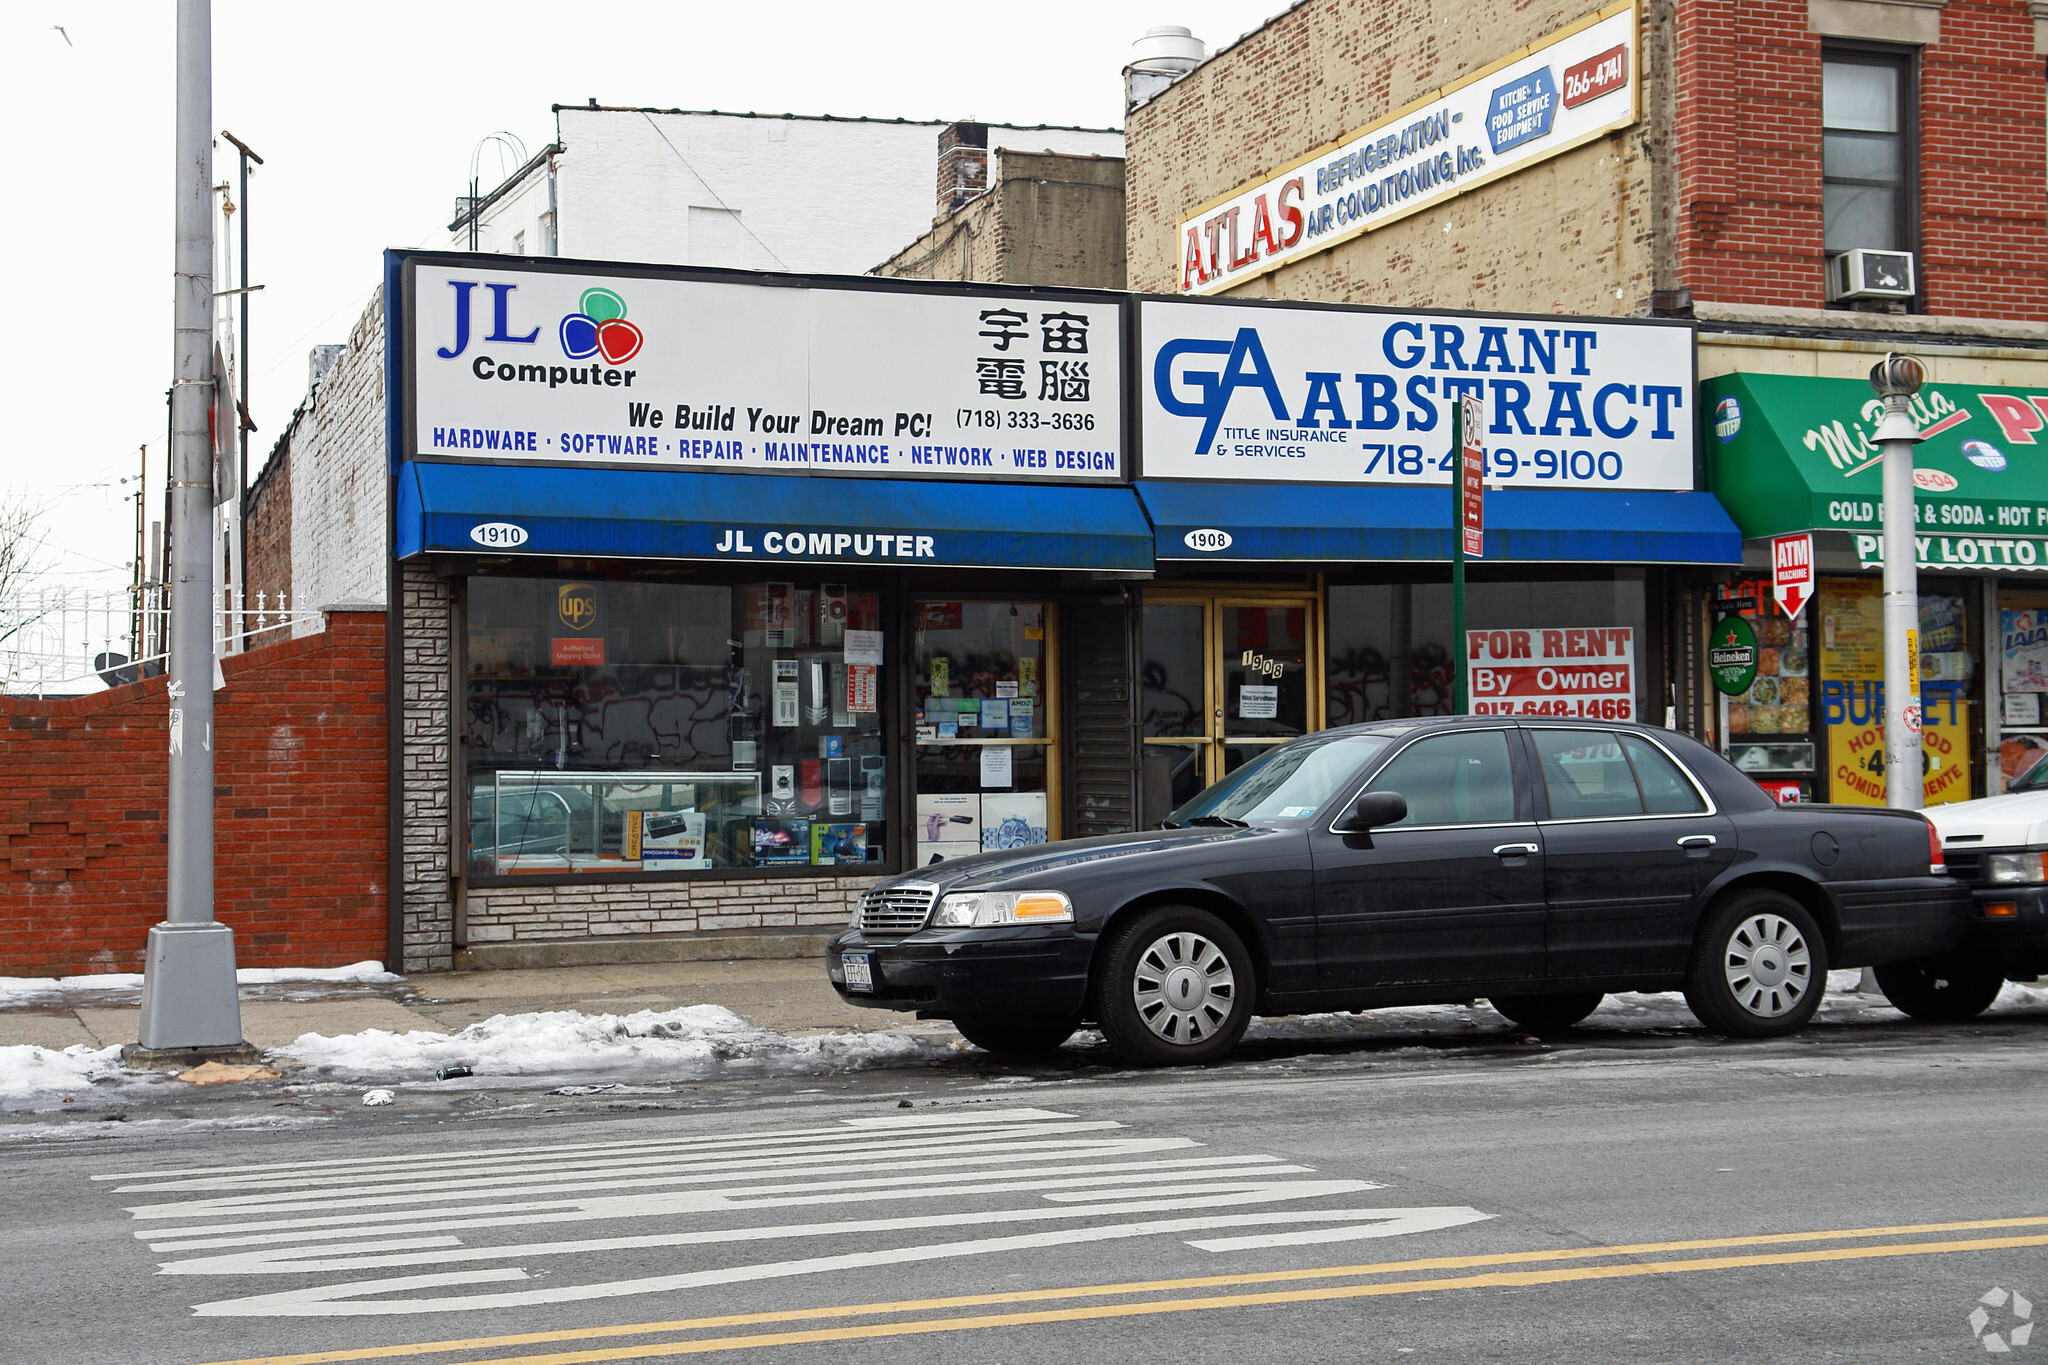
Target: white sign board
[[1575, 86], [1792, 572], [1351, 395], [1587, 673], [528, 364]]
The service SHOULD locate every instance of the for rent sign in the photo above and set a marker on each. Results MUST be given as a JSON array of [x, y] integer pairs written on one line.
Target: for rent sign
[[1586, 673], [1574, 86]]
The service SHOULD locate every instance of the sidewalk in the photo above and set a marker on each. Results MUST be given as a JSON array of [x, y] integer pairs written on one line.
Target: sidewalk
[[785, 996]]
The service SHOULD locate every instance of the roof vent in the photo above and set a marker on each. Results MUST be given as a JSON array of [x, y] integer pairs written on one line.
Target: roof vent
[[1158, 59]]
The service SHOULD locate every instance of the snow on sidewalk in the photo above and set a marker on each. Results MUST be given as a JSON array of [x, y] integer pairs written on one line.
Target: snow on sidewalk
[[695, 1039], [19, 990]]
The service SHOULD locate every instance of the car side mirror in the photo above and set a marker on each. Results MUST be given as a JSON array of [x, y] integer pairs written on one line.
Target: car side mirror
[[1372, 810]]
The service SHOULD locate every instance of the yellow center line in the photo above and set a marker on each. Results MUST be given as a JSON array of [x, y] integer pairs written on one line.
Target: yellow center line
[[1182, 1305]]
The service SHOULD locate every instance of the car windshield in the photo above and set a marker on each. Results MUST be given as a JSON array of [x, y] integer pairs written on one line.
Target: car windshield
[[1288, 783], [2034, 779]]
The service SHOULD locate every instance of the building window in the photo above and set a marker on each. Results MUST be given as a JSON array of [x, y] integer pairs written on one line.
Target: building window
[[519, 242], [1867, 130], [664, 727]]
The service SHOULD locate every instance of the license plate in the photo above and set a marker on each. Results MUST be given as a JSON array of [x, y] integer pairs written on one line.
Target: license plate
[[860, 976]]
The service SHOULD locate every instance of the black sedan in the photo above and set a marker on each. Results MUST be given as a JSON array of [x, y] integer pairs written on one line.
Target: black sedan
[[1539, 865]]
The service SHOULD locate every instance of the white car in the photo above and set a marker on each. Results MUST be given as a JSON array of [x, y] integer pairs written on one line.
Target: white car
[[1999, 847]]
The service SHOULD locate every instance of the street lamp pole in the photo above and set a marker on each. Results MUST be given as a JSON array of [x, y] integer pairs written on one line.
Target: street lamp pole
[[189, 1001], [1896, 379]]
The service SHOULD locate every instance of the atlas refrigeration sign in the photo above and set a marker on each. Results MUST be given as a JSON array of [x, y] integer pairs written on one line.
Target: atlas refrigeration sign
[[1574, 86], [1360, 395], [583, 364]]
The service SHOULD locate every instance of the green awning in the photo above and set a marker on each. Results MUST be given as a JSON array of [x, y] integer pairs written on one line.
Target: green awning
[[1788, 453]]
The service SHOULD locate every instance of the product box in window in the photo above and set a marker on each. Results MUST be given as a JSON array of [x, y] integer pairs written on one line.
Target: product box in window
[[782, 842], [838, 845], [664, 841]]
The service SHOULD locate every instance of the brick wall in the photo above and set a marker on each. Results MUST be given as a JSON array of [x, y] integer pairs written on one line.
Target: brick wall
[[1574, 234], [337, 477], [520, 914], [268, 517], [1051, 220], [1748, 151], [426, 770], [300, 826]]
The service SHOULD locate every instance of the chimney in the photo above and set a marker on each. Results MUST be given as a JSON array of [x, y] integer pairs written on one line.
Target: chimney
[[1158, 59], [963, 164], [319, 361]]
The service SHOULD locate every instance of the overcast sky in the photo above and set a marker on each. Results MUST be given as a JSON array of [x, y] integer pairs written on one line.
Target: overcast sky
[[366, 114]]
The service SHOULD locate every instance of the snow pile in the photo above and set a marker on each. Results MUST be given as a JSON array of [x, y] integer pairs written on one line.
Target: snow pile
[[41, 989], [695, 1038], [26, 1072]]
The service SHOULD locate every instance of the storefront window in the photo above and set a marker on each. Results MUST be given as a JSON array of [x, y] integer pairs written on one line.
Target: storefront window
[[2023, 636], [1390, 649], [649, 727], [984, 729], [1852, 704]]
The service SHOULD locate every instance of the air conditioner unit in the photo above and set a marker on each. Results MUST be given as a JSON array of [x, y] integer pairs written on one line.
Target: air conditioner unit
[[1867, 274]]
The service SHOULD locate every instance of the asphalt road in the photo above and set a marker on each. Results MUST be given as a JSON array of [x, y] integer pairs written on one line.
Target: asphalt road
[[1851, 1194]]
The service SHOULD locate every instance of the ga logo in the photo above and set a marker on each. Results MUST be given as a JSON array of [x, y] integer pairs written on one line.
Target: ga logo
[[600, 328]]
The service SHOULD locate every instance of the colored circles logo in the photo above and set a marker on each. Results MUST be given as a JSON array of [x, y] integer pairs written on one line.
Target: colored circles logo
[[1984, 455], [600, 329]]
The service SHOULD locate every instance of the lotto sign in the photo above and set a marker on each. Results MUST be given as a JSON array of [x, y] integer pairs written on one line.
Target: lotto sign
[[1587, 673], [1792, 572], [1472, 474]]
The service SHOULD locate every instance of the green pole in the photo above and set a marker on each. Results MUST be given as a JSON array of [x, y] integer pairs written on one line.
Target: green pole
[[1461, 686]]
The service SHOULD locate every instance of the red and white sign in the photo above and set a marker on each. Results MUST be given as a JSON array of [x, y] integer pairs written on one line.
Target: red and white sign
[[1792, 572], [1784, 793], [1934, 480], [1587, 672], [576, 652], [1595, 76], [1472, 476]]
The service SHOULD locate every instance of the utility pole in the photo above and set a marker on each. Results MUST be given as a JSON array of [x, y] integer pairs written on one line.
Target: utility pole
[[1897, 378], [190, 1008]]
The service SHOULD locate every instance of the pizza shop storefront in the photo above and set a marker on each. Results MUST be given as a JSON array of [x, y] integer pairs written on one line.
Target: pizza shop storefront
[[1795, 453]]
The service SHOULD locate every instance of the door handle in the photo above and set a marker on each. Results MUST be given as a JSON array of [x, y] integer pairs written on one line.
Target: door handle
[[1515, 850], [1697, 841]]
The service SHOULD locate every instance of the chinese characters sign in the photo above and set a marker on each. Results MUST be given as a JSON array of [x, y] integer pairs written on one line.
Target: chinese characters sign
[[641, 366]]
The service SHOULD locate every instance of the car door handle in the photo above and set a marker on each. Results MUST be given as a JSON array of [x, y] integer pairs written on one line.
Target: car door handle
[[1515, 850], [1697, 841]]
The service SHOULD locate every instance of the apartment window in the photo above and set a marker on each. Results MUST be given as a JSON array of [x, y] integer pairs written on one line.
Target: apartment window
[[1867, 105]]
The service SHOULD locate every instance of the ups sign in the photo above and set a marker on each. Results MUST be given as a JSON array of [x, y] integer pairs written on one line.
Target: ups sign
[[578, 634]]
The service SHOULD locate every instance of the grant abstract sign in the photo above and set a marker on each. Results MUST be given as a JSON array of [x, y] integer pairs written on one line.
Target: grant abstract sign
[[1576, 85], [512, 363], [1356, 395]]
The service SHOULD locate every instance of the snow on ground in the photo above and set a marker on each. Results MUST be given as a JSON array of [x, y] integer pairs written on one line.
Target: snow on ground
[[694, 1039], [29, 1071], [47, 989]]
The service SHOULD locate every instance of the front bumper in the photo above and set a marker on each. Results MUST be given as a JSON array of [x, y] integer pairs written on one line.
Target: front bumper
[[2018, 941], [950, 973]]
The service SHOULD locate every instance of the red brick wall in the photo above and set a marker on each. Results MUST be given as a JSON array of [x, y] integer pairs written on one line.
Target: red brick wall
[[1749, 158], [299, 810], [269, 518]]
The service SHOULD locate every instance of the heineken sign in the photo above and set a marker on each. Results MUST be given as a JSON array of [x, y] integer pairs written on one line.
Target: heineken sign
[[1731, 655]]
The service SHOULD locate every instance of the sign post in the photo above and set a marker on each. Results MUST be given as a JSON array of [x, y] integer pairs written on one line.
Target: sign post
[[1468, 504], [1792, 572]]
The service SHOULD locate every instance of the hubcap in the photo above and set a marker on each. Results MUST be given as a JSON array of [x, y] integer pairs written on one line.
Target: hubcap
[[1769, 967], [1184, 988]]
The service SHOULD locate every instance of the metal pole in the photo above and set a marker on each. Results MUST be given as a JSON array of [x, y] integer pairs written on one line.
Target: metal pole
[[1461, 685], [189, 1000], [247, 155], [1897, 378]]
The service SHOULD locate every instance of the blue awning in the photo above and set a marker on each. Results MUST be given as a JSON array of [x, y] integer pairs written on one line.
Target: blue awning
[[766, 518], [1319, 523]]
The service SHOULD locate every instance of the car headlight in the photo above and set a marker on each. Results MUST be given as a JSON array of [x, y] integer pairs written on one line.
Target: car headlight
[[2016, 867], [986, 909]]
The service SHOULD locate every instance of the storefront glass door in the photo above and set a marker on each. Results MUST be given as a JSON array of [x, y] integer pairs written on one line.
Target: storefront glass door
[[1225, 676]]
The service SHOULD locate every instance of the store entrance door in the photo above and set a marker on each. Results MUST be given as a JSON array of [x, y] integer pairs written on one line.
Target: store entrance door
[[1224, 675]]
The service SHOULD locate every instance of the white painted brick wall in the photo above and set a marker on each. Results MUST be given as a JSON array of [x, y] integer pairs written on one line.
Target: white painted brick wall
[[338, 532], [515, 914]]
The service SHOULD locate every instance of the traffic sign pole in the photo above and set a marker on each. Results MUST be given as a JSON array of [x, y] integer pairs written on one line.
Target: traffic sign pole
[[1461, 685]]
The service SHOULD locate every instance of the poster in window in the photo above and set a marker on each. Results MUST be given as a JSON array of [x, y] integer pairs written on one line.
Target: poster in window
[[860, 689], [1012, 820], [2024, 636], [576, 632], [1586, 672]]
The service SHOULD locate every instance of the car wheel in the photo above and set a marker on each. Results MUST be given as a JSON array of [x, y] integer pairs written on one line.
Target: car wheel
[[1177, 988], [1016, 1037], [1759, 966], [1547, 1013], [1940, 989]]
